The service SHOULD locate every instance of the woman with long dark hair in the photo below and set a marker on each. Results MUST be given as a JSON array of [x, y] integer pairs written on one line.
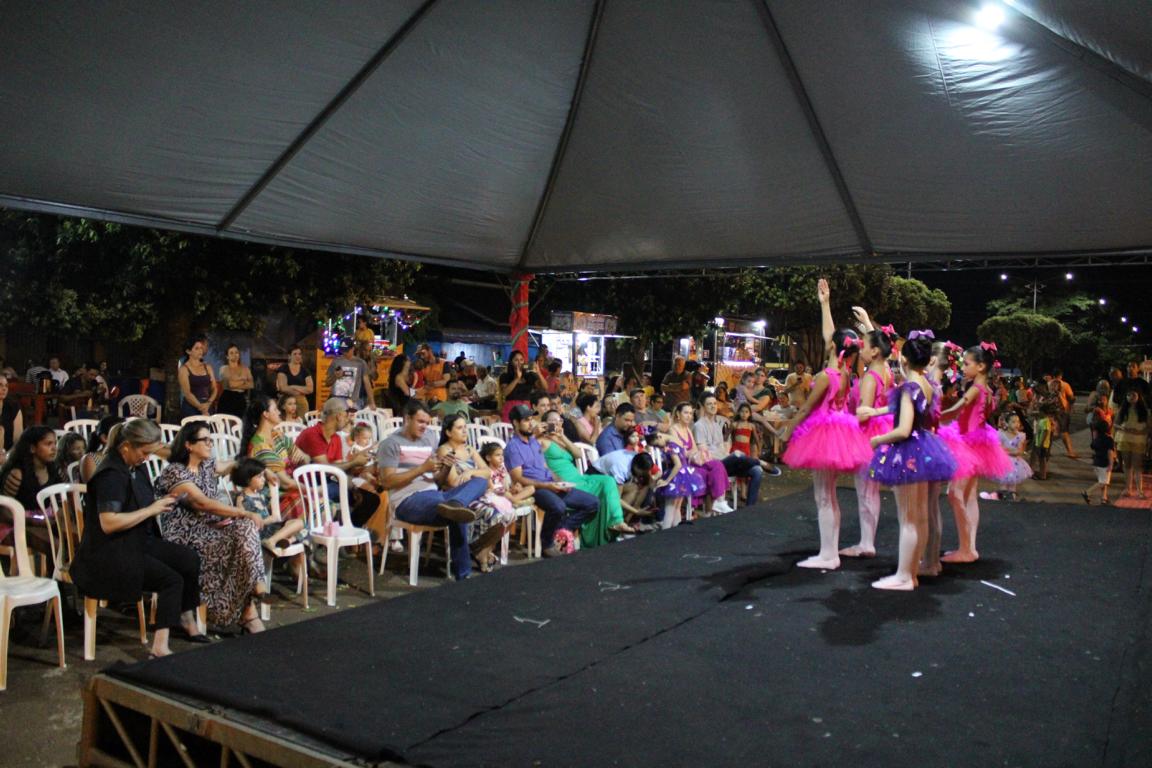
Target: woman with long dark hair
[[226, 537], [30, 468], [97, 441], [197, 384], [121, 554], [517, 383], [399, 390], [261, 439]]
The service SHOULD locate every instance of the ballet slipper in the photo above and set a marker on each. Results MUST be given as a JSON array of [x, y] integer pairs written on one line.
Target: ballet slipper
[[959, 556], [858, 551], [896, 582], [826, 564]]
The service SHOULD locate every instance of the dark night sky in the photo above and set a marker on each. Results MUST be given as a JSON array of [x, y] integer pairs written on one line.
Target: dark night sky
[[1128, 290]]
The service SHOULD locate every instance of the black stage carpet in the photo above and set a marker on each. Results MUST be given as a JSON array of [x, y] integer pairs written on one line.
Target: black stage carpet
[[705, 646]]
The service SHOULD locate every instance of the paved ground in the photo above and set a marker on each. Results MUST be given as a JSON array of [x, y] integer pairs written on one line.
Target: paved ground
[[40, 713]]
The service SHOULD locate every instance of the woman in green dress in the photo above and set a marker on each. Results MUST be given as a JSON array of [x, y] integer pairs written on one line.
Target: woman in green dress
[[561, 455]]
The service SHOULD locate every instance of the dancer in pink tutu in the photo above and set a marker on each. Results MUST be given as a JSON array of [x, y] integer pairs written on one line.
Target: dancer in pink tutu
[[909, 457], [870, 392], [976, 445], [826, 438]]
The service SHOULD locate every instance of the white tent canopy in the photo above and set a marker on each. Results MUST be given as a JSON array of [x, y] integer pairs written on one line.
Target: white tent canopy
[[583, 134]]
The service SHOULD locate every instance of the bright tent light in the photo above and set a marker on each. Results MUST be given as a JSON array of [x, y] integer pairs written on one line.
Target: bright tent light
[[1003, 276], [1067, 275], [1124, 319], [990, 16], [1103, 301], [1135, 329]]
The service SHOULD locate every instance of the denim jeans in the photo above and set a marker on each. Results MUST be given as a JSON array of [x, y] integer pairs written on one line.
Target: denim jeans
[[420, 509]]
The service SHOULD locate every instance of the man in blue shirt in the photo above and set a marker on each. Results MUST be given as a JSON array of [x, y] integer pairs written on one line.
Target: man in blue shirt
[[614, 437], [564, 506]]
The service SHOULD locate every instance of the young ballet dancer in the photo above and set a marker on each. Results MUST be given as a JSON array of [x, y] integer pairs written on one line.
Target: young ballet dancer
[[827, 439], [941, 373], [870, 393], [910, 457], [975, 445], [1015, 444]]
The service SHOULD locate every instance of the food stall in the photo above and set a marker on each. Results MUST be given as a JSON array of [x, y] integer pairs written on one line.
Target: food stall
[[729, 347], [579, 340], [387, 319]]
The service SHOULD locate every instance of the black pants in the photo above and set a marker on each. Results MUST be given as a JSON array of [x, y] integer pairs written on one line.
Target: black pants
[[172, 571]]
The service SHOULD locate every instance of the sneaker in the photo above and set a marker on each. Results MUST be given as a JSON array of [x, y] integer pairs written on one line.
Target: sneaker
[[721, 506], [396, 546], [456, 512], [773, 471], [989, 496]]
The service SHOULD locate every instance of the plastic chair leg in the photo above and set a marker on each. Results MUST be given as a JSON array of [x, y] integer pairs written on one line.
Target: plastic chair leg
[[447, 554], [143, 622], [5, 622], [152, 615], [371, 571], [413, 557], [539, 514], [58, 606], [504, 547], [333, 564], [91, 605]]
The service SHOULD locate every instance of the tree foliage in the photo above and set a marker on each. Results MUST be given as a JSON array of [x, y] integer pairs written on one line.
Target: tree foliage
[[119, 283], [1027, 339]]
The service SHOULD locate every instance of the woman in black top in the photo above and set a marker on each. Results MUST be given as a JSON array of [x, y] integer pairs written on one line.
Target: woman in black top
[[31, 467], [11, 418], [295, 379], [399, 384], [517, 384], [122, 555]]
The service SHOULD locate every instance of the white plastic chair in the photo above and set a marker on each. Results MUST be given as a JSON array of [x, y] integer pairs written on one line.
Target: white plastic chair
[[154, 465], [227, 424], [22, 589], [63, 505], [415, 534], [313, 481], [476, 432], [484, 439], [380, 423], [224, 447], [271, 554], [168, 433], [434, 431], [503, 430], [141, 406], [72, 472], [311, 417], [197, 417], [588, 455], [291, 429], [82, 427]]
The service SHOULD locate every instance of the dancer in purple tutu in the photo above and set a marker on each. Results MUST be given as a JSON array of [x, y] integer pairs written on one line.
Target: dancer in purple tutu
[[910, 457], [825, 437], [976, 446]]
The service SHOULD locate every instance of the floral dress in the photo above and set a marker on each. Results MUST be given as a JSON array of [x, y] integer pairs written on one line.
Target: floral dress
[[277, 457], [231, 562], [684, 483]]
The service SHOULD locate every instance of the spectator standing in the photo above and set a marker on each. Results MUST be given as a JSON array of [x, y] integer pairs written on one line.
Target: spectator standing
[[11, 418], [798, 384], [348, 378], [565, 508], [436, 375], [677, 384], [410, 470], [197, 384], [399, 390], [237, 382], [1067, 398], [516, 384], [296, 380]]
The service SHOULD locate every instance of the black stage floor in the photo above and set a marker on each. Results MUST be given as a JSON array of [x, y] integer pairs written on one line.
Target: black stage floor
[[705, 646]]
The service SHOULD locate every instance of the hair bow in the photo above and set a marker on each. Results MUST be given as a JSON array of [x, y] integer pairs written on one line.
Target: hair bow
[[848, 344], [925, 334], [988, 346], [996, 364], [888, 330]]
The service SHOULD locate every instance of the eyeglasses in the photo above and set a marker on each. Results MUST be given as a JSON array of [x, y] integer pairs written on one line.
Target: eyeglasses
[[205, 439]]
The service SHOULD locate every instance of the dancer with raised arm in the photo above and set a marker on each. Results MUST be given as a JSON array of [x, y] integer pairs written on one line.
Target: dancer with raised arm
[[869, 401], [825, 437], [909, 457], [976, 446]]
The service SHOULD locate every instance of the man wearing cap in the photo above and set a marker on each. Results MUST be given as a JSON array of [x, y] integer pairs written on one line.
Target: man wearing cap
[[410, 470], [564, 506], [324, 445], [349, 378]]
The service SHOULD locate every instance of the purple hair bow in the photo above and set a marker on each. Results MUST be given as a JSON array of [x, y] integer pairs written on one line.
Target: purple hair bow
[[927, 334]]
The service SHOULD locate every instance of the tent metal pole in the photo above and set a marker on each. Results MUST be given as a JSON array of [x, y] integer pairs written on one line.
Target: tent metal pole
[[318, 122], [817, 129], [562, 145]]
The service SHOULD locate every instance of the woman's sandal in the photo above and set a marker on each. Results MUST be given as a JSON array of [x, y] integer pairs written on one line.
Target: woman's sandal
[[246, 629]]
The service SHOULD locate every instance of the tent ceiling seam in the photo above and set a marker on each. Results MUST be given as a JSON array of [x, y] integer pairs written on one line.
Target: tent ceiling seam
[[350, 88], [816, 127], [569, 122]]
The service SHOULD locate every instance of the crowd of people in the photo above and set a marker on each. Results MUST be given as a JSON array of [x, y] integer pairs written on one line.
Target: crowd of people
[[912, 413]]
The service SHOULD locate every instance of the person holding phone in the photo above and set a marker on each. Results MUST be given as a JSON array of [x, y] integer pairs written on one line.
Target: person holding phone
[[121, 554]]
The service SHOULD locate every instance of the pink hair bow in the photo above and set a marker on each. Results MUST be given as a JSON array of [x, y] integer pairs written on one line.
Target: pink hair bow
[[989, 346], [848, 343], [888, 330]]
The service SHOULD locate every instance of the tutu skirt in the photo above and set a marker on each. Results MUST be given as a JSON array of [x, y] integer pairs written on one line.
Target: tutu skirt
[[961, 456], [829, 440], [1021, 471], [878, 425], [922, 458], [988, 455]]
